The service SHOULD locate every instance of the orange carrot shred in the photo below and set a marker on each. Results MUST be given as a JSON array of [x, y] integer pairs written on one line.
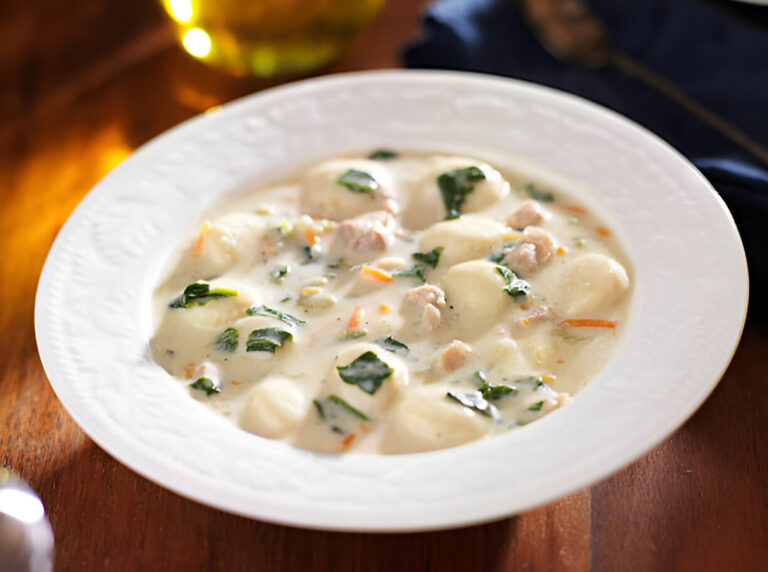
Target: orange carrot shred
[[577, 210], [364, 427], [383, 308], [560, 250], [525, 322], [560, 360], [197, 251], [235, 382], [347, 441], [587, 323], [311, 237], [602, 231], [189, 370], [375, 274], [357, 316]]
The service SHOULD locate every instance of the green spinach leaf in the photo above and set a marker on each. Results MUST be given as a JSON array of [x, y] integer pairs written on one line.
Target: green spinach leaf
[[358, 181], [227, 340], [415, 271], [205, 384], [430, 258], [382, 155], [538, 195], [392, 345], [267, 340], [367, 372], [276, 314], [515, 286], [456, 185], [474, 400], [200, 293], [494, 392]]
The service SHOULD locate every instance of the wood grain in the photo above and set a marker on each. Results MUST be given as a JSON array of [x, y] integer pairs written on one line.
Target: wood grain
[[84, 84]]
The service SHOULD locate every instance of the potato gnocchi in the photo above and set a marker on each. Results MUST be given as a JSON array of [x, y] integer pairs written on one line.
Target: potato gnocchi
[[392, 303]]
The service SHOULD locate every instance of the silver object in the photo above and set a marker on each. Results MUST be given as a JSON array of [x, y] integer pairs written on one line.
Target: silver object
[[572, 33], [26, 536]]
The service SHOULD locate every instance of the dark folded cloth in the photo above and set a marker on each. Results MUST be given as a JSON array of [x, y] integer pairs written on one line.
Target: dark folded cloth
[[716, 51]]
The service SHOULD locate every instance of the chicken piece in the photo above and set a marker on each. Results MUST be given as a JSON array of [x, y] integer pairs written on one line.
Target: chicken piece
[[422, 295], [530, 213], [536, 314], [369, 231], [423, 305], [455, 355], [430, 319], [529, 256]]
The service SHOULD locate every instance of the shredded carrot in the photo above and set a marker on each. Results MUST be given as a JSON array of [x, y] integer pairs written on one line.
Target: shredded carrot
[[189, 370], [357, 316], [523, 306], [197, 251], [310, 291], [587, 323], [375, 274], [560, 250], [311, 237], [364, 427], [577, 210], [235, 382], [525, 322], [347, 441], [602, 231], [560, 360]]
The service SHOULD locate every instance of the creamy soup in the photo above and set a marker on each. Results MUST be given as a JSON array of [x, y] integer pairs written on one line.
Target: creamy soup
[[392, 303]]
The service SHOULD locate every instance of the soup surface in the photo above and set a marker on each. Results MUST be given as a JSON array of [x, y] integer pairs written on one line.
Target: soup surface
[[392, 303]]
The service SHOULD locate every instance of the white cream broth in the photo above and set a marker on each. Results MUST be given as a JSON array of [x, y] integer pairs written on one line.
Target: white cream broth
[[322, 329]]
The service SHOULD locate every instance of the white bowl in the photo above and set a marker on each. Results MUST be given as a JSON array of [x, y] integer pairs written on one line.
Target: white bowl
[[94, 314]]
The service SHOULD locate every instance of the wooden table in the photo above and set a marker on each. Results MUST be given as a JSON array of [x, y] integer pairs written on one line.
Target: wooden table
[[82, 84]]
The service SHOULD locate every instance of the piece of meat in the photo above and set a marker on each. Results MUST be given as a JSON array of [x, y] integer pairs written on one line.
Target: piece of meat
[[369, 231], [430, 319], [426, 294], [528, 214], [529, 256], [536, 314], [423, 305], [455, 355]]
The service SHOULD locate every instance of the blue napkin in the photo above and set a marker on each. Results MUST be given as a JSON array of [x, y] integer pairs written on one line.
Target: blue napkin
[[716, 51]]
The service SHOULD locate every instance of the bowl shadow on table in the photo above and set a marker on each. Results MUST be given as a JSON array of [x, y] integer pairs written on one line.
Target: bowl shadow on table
[[107, 517]]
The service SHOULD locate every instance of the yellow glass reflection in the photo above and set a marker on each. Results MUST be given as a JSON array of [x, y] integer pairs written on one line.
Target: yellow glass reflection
[[181, 10], [197, 42], [269, 37]]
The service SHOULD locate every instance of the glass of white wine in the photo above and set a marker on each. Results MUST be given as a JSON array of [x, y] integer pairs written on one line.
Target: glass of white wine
[[269, 37]]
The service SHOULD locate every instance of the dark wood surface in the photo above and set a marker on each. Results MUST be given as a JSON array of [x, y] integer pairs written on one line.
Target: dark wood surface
[[82, 84]]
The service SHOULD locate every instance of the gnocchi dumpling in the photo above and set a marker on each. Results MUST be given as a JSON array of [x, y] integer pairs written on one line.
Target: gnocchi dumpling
[[593, 283], [354, 395], [275, 409], [463, 239], [427, 205], [321, 195], [475, 296], [232, 240], [427, 420]]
